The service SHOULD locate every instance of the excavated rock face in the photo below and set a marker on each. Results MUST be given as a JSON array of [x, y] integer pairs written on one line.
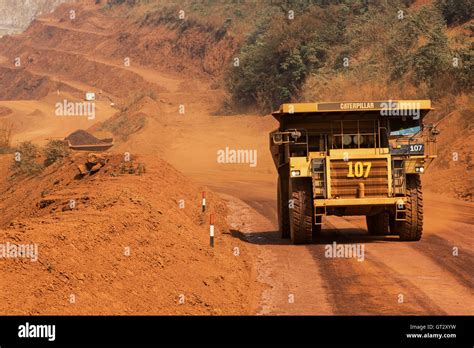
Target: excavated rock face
[[16, 15]]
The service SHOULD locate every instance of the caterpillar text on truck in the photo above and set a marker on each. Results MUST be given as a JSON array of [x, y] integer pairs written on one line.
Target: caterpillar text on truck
[[352, 158]]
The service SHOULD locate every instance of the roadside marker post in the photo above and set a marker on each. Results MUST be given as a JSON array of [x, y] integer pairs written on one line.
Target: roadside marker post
[[203, 201], [211, 230]]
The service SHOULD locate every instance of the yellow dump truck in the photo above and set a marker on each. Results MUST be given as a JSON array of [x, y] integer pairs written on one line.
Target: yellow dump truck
[[352, 158]]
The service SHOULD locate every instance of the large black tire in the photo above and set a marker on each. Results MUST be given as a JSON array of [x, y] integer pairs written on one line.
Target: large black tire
[[317, 228], [392, 223], [378, 225], [283, 206], [301, 215], [412, 228]]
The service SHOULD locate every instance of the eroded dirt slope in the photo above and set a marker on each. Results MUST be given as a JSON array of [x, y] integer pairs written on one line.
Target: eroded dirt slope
[[82, 251]]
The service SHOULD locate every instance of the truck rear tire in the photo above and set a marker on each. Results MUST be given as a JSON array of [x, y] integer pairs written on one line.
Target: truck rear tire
[[378, 225], [283, 207], [317, 227], [411, 229], [301, 215]]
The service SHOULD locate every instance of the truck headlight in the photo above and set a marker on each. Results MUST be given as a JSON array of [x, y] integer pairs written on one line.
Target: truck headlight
[[295, 173], [419, 169]]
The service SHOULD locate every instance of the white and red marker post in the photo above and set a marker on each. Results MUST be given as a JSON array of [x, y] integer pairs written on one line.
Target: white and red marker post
[[211, 230], [203, 201]]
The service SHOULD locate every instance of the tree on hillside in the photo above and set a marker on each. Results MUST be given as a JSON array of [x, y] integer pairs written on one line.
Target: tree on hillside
[[431, 60], [463, 68], [25, 159], [456, 11], [274, 62], [54, 151]]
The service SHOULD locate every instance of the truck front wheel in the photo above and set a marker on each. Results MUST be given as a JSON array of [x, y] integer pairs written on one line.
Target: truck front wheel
[[283, 207], [301, 212], [412, 228], [317, 226]]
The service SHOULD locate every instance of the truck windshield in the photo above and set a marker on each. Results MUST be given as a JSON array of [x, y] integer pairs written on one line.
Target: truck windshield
[[404, 126]]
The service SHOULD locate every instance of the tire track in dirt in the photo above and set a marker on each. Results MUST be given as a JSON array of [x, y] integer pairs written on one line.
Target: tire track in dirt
[[441, 252], [349, 287], [367, 287], [349, 283], [423, 278], [289, 282]]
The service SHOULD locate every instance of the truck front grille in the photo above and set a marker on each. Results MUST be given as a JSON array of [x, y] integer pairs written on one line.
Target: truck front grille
[[376, 184]]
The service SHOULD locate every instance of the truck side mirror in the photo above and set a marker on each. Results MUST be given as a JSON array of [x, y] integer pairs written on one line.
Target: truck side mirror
[[277, 138], [434, 131], [295, 134]]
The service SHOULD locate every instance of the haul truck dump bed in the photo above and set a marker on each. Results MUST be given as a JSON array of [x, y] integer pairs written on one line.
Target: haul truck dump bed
[[352, 158]]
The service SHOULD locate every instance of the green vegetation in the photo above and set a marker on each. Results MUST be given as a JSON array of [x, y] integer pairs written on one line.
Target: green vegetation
[[299, 50], [456, 11], [275, 61], [27, 157], [55, 150], [25, 161], [383, 41]]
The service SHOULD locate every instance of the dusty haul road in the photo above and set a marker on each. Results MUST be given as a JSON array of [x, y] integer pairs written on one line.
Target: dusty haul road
[[394, 278]]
